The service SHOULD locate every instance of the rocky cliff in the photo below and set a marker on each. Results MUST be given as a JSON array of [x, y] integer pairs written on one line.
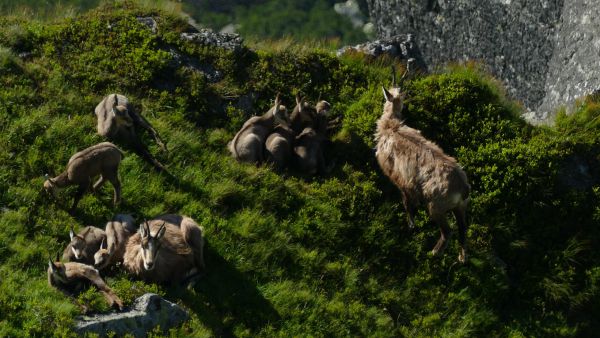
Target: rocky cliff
[[546, 51]]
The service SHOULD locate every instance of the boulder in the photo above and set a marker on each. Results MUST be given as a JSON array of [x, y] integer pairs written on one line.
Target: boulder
[[401, 46], [207, 37], [145, 314]]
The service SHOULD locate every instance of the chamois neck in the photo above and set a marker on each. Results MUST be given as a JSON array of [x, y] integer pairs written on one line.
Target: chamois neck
[[61, 180]]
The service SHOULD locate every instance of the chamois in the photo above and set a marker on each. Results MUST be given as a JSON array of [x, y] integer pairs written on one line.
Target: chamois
[[83, 245], [112, 249], [279, 146], [302, 116], [71, 277], [168, 248], [308, 146], [248, 143], [101, 159], [421, 170], [118, 122]]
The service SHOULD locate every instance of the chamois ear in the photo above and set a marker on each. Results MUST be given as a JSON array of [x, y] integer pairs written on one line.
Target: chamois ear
[[51, 265], [388, 96], [142, 229], [299, 103], [103, 244], [71, 233], [276, 105], [161, 231]]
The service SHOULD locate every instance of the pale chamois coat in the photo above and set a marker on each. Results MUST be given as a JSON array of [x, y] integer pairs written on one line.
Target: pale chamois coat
[[72, 277], [422, 171], [101, 159], [111, 250], [119, 122], [83, 245], [249, 143], [167, 249]]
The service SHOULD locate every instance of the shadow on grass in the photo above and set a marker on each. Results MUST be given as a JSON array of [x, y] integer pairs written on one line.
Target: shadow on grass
[[225, 300]]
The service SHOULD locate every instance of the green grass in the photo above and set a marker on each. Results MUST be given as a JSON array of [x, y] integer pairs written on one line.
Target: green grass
[[290, 255]]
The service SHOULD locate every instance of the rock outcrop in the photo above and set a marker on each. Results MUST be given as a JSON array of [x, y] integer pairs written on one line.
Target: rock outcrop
[[400, 46], [146, 313], [545, 51]]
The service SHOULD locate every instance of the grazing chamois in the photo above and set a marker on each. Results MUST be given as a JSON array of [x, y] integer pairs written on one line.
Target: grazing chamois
[[118, 122], [101, 159], [421, 170], [111, 250], [167, 249], [72, 277], [248, 143], [83, 245]]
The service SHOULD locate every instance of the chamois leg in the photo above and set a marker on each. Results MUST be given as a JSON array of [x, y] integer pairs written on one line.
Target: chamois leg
[[410, 211], [83, 187], [440, 219], [461, 220], [98, 184], [113, 178]]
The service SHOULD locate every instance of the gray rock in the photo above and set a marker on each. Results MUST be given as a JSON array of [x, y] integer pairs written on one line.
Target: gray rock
[[207, 37], [545, 51], [401, 46], [146, 313], [180, 60], [149, 22]]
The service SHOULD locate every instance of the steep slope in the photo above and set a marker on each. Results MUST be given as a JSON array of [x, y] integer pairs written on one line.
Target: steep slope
[[294, 256]]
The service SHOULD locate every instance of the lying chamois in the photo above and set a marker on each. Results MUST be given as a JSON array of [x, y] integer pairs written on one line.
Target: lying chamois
[[279, 146], [422, 171], [167, 249], [83, 245], [309, 143], [101, 159], [248, 143], [118, 122], [112, 249], [72, 277]]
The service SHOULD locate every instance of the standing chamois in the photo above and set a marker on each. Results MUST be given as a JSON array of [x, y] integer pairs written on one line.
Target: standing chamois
[[83, 245], [422, 171], [72, 277], [111, 250], [101, 159], [118, 122], [248, 144], [167, 249]]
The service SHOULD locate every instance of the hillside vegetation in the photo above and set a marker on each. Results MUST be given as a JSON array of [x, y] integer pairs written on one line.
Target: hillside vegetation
[[292, 255]]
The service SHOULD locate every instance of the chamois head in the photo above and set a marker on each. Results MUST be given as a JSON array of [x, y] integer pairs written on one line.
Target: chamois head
[[394, 97], [56, 271], [102, 256], [50, 186], [150, 244], [120, 112], [77, 244], [280, 113], [323, 108]]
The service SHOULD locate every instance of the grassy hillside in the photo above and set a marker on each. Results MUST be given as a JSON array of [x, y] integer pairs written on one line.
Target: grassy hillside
[[291, 255]]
